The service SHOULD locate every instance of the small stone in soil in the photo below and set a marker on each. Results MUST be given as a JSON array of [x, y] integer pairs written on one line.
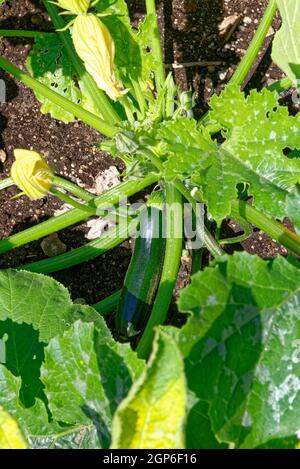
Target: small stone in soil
[[53, 246]]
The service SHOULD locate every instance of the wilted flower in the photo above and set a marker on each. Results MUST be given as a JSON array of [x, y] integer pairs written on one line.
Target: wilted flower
[[95, 46], [31, 174], [74, 6]]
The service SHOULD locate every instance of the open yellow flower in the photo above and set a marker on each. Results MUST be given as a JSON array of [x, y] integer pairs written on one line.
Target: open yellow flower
[[74, 6], [31, 174], [95, 46]]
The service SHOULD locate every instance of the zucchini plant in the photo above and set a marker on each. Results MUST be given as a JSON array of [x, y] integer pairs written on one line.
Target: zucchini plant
[[230, 377]]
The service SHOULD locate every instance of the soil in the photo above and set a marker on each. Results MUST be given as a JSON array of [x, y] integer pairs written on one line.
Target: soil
[[190, 33]]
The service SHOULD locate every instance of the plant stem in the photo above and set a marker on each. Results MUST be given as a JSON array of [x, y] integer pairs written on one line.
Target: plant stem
[[73, 188], [156, 47], [270, 226], [109, 304], [98, 97], [105, 200], [7, 182], [249, 58], [111, 239], [281, 85], [65, 198], [244, 224], [21, 33], [171, 264], [86, 116]]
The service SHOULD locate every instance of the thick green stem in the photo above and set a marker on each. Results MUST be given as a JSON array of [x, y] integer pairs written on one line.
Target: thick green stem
[[21, 33], [156, 47], [59, 100], [249, 58], [105, 200], [88, 209], [73, 189], [111, 239], [281, 85], [174, 225], [98, 97], [109, 304], [270, 226]]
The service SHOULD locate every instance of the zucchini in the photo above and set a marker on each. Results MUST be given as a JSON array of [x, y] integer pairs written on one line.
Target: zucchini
[[143, 275]]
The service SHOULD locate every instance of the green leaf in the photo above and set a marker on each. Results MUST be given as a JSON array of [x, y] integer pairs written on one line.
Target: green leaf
[[23, 355], [153, 413], [134, 58], [34, 423], [35, 299], [146, 33], [256, 131], [32, 420], [184, 146], [86, 375], [286, 43], [293, 209], [241, 345], [10, 435], [48, 63]]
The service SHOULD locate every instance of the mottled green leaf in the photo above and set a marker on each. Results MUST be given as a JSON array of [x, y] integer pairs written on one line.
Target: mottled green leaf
[[256, 131], [35, 299], [86, 376], [286, 44], [241, 345], [153, 413]]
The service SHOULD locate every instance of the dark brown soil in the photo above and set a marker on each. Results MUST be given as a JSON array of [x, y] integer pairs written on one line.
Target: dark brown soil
[[189, 34]]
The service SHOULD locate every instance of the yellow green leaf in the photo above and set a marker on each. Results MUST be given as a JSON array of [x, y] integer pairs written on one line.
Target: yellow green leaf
[[153, 414], [10, 434]]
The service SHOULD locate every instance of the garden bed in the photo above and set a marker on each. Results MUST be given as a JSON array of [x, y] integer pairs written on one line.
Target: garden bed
[[192, 31]]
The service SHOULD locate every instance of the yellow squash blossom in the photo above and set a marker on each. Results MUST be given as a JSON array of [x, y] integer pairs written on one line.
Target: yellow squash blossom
[[31, 174], [95, 46], [74, 6]]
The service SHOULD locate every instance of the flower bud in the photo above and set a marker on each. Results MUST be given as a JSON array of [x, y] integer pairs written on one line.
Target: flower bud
[[31, 174], [95, 46], [75, 6]]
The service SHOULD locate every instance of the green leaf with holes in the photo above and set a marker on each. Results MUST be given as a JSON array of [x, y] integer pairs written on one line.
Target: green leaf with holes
[[134, 58], [242, 348], [49, 64], [249, 148]]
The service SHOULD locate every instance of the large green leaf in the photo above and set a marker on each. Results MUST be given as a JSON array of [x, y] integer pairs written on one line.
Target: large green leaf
[[35, 299], [286, 44], [257, 131], [86, 376], [241, 345], [253, 134], [153, 413]]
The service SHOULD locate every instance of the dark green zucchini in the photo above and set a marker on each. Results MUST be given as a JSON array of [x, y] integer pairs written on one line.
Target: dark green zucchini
[[143, 275]]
